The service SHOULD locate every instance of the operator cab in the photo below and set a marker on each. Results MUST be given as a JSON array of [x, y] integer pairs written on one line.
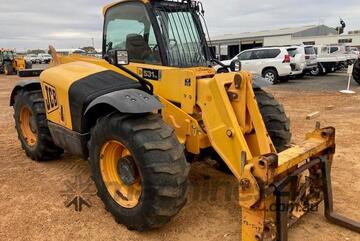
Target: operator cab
[[163, 33], [6, 55]]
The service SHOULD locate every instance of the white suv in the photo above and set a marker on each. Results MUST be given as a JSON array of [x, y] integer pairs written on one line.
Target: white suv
[[304, 57], [45, 58], [270, 63]]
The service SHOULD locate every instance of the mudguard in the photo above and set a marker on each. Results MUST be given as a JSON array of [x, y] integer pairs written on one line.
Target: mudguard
[[260, 82], [24, 84], [130, 101]]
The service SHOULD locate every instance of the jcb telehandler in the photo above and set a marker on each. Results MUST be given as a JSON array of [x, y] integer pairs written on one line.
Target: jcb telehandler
[[153, 99], [11, 64]]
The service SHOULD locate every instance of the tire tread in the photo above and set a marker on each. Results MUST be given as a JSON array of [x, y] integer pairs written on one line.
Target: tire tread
[[163, 167]]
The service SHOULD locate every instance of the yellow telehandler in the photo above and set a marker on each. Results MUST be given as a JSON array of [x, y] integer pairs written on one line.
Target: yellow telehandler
[[153, 99], [11, 64]]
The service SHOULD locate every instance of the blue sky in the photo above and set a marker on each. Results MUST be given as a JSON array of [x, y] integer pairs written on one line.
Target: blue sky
[[28, 24]]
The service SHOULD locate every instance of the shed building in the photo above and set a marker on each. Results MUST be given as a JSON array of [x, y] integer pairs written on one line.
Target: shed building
[[229, 45]]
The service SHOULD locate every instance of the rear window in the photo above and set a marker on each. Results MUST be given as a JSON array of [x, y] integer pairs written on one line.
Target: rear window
[[293, 52], [266, 53], [309, 50]]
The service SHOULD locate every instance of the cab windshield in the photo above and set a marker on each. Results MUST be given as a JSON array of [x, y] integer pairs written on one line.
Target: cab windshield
[[181, 31]]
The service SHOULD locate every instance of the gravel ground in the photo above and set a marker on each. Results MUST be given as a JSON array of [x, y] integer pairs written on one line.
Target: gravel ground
[[32, 205]]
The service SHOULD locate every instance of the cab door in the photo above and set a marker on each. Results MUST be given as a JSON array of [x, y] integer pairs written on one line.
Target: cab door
[[128, 27]]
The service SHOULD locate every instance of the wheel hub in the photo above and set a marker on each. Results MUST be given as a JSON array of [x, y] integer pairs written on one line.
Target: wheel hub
[[120, 174], [270, 76], [126, 170]]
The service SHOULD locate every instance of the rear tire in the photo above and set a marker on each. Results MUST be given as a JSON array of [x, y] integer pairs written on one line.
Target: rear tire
[[356, 71], [159, 161], [32, 127], [271, 75]]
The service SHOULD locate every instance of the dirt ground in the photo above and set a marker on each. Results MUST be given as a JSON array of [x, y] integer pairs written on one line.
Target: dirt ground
[[32, 206]]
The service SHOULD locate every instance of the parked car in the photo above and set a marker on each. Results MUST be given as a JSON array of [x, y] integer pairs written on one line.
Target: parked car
[[298, 61], [45, 58], [327, 62], [33, 58], [272, 63]]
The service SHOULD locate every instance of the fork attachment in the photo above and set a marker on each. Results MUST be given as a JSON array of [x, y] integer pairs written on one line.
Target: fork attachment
[[278, 189]]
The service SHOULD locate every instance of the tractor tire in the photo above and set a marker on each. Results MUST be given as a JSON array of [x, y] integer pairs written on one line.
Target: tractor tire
[[8, 69], [32, 127], [141, 155], [356, 71], [275, 119]]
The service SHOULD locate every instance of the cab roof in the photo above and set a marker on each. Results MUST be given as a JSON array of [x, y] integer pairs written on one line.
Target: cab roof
[[106, 7]]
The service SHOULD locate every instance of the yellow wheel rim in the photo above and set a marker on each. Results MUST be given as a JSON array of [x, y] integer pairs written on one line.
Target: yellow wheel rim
[[125, 195], [27, 126]]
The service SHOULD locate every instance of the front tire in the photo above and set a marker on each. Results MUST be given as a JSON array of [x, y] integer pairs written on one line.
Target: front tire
[[315, 71], [8, 69], [275, 119], [32, 128], [139, 169]]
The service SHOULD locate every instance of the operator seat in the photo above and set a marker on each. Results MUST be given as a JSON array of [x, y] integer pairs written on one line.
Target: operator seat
[[137, 48]]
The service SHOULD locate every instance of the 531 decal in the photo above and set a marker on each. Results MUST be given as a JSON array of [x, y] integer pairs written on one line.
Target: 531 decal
[[51, 100]]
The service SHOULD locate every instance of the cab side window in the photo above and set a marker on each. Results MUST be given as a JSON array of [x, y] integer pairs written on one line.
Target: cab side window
[[128, 27]]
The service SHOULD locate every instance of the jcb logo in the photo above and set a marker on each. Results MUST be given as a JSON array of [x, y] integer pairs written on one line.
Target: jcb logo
[[51, 100]]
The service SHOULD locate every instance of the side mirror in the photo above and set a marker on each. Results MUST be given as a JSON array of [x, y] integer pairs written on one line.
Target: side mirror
[[235, 65], [118, 57]]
